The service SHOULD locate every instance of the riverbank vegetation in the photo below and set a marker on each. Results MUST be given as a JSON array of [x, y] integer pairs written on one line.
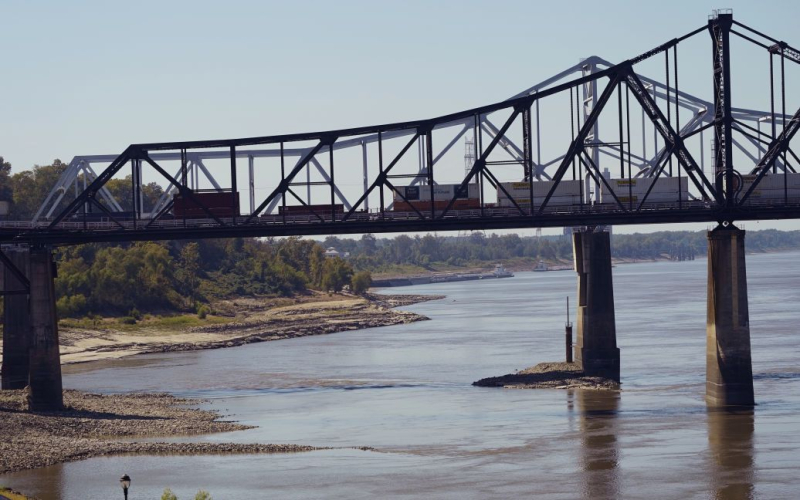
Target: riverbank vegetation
[[134, 280], [409, 255]]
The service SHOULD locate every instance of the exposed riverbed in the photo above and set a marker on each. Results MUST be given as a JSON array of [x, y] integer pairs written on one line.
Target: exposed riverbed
[[406, 391]]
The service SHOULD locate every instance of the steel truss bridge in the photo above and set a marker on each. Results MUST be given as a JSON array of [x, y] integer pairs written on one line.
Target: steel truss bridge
[[504, 141]]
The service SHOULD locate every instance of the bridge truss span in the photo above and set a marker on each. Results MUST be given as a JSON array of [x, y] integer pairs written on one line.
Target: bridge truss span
[[648, 166]]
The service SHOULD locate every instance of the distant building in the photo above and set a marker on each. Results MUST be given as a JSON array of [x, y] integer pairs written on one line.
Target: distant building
[[332, 252]]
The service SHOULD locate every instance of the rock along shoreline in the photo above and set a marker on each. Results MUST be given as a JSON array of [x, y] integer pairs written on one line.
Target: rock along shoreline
[[95, 425]]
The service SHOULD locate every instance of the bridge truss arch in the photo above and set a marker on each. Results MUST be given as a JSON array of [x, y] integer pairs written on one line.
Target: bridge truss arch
[[393, 177]]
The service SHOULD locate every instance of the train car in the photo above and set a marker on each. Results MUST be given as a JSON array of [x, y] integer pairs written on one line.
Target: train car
[[567, 192], [419, 197], [220, 203], [633, 191], [771, 188]]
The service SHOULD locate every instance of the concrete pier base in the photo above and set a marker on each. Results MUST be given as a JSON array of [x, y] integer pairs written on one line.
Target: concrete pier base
[[596, 347], [45, 392], [16, 324], [729, 369]]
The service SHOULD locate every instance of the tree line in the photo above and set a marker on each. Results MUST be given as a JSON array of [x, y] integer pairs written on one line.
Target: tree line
[[477, 249]]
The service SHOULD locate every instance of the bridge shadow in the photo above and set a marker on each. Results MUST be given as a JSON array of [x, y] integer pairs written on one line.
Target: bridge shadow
[[730, 446]]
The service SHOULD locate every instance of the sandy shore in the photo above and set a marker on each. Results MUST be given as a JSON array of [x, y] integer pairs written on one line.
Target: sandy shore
[[256, 320], [95, 425], [549, 376]]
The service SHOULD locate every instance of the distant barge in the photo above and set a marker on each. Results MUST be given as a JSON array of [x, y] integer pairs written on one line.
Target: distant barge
[[499, 272]]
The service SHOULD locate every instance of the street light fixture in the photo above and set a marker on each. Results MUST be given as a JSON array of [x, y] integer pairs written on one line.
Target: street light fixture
[[125, 482]]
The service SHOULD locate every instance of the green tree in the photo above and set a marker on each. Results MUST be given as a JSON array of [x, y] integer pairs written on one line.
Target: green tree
[[361, 282], [30, 188], [6, 192], [336, 273], [203, 495], [188, 272]]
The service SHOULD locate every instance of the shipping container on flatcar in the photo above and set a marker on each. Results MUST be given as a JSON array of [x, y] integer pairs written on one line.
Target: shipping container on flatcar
[[220, 203], [665, 190], [771, 188], [419, 197], [566, 193]]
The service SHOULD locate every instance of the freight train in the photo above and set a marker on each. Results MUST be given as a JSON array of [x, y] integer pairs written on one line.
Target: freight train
[[408, 200]]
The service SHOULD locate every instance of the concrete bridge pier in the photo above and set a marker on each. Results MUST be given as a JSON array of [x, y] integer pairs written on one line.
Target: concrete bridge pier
[[45, 362], [729, 369], [16, 322], [596, 346]]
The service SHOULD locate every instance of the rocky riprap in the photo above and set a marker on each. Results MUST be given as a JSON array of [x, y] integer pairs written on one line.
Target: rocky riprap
[[549, 376], [94, 425]]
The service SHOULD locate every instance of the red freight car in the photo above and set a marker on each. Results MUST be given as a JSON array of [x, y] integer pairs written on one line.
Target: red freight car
[[220, 203]]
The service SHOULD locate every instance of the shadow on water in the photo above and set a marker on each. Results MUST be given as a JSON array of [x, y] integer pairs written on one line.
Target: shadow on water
[[600, 452], [730, 445]]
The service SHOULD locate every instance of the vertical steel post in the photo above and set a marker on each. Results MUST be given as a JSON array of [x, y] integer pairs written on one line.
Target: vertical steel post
[[628, 124], [429, 162], [134, 197], [251, 168], [380, 173], [478, 153], [366, 173], [234, 189], [333, 186], [184, 173], [283, 179], [783, 119], [527, 150], [308, 182], [772, 103], [677, 117], [720, 28], [669, 104]]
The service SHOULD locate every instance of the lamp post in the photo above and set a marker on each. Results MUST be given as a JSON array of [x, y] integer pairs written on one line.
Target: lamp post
[[125, 482]]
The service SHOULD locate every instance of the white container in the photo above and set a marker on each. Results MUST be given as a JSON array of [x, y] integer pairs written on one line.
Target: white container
[[441, 192], [664, 190], [771, 181]]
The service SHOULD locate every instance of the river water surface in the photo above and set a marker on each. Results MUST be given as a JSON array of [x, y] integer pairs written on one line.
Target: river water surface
[[405, 390]]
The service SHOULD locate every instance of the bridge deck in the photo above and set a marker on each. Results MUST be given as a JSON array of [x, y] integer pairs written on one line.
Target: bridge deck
[[107, 230]]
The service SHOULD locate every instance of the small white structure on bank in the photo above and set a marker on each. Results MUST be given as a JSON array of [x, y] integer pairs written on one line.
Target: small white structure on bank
[[332, 252]]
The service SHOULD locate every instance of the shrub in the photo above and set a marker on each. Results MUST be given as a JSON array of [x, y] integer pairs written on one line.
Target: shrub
[[202, 311], [168, 495], [127, 320], [361, 282], [134, 313], [203, 495]]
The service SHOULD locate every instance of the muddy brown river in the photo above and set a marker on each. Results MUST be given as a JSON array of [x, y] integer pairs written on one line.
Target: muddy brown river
[[405, 390]]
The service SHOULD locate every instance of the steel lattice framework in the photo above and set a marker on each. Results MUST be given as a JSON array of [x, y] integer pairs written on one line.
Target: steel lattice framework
[[718, 193]]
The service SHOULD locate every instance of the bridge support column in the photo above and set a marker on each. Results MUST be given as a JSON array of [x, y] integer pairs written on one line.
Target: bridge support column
[[596, 347], [16, 323], [45, 362], [729, 370]]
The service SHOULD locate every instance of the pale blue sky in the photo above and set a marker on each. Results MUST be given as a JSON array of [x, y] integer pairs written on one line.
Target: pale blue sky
[[91, 77]]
